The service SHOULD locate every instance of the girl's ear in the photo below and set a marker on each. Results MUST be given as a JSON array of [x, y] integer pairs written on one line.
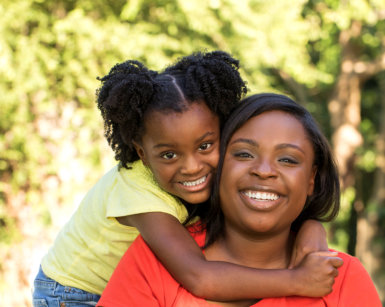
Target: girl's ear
[[311, 181], [140, 151]]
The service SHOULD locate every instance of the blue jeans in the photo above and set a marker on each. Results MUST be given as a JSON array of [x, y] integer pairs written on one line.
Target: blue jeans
[[49, 293]]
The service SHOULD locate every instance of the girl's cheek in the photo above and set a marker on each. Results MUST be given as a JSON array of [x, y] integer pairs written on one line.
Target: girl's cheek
[[213, 160]]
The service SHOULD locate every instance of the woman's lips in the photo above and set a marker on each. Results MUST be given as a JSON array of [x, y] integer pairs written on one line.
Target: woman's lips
[[260, 200]]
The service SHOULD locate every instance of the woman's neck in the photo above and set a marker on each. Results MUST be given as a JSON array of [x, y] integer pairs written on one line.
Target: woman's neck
[[258, 251]]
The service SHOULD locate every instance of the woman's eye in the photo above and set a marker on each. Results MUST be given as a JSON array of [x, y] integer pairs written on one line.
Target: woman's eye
[[205, 146], [168, 155], [288, 160], [242, 154]]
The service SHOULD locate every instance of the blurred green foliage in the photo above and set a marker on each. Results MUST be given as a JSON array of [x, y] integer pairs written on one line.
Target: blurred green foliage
[[51, 138]]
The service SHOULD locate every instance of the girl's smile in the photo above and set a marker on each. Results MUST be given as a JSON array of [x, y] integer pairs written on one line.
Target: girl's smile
[[196, 184], [182, 150]]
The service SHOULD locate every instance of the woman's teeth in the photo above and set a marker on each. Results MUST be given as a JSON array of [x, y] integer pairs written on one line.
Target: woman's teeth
[[194, 183], [261, 195]]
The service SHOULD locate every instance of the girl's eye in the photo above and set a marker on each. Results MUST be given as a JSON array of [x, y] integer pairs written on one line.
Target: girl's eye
[[168, 155], [205, 146]]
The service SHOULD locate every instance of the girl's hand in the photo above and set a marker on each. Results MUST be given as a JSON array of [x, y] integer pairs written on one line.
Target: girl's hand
[[316, 273], [311, 237]]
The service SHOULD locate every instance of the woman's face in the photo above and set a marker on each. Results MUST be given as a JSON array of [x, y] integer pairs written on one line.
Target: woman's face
[[267, 174]]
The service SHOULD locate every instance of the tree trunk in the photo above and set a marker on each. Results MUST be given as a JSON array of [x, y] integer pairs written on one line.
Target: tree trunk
[[344, 108], [370, 247]]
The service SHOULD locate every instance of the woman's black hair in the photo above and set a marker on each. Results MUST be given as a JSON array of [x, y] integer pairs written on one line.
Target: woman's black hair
[[323, 204], [130, 91]]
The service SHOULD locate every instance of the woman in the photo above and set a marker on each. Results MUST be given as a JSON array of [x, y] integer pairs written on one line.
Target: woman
[[269, 180]]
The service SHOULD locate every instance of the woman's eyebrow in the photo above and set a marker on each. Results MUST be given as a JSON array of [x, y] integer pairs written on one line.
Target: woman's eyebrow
[[254, 143], [243, 140], [290, 145]]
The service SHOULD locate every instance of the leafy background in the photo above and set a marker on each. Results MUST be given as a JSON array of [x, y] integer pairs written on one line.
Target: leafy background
[[329, 55]]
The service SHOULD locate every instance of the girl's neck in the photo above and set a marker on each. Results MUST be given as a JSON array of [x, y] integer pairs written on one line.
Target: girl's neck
[[258, 251]]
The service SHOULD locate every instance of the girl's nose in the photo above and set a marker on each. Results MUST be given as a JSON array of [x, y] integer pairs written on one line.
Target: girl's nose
[[191, 165]]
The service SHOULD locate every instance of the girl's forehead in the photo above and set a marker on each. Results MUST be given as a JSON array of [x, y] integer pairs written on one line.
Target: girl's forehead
[[181, 110], [194, 118]]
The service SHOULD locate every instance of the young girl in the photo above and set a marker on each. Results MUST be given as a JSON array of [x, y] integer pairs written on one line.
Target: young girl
[[164, 129], [275, 170]]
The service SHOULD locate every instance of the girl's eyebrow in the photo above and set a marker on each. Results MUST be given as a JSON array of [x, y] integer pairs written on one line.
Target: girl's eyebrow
[[160, 145], [209, 133], [254, 143]]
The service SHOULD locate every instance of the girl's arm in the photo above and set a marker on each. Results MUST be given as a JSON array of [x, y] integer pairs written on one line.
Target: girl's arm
[[183, 258], [311, 237]]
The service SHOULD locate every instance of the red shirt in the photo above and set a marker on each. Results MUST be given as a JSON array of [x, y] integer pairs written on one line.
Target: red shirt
[[141, 280]]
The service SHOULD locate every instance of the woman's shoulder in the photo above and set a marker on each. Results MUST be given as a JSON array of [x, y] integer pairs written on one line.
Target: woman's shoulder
[[350, 263], [353, 287], [354, 284], [352, 266]]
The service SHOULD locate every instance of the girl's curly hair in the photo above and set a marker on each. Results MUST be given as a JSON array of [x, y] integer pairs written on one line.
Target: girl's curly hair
[[131, 90]]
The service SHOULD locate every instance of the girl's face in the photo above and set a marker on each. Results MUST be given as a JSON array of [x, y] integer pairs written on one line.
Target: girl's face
[[182, 151], [267, 174]]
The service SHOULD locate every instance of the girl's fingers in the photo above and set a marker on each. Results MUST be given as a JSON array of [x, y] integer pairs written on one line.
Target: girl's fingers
[[333, 257], [336, 262], [335, 272], [326, 253]]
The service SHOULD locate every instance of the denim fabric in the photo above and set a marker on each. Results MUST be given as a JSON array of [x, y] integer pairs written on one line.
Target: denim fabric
[[49, 293]]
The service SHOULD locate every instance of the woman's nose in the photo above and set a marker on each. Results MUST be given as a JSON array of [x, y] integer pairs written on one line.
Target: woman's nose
[[264, 168]]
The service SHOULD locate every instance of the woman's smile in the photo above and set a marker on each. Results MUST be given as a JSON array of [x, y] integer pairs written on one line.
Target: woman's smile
[[267, 173], [260, 200]]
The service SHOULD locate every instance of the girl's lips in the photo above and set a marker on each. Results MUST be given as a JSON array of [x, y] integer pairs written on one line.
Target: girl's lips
[[196, 185], [195, 182]]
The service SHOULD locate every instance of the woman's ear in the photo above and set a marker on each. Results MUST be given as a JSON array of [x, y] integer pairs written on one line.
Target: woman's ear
[[311, 181], [140, 151]]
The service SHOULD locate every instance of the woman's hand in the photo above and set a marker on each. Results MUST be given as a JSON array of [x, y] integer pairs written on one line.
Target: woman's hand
[[316, 273]]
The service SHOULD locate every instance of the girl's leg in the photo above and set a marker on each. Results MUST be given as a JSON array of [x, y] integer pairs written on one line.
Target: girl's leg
[[49, 293]]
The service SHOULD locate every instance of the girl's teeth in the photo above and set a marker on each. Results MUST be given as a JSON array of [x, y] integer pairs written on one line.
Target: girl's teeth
[[262, 195], [194, 183]]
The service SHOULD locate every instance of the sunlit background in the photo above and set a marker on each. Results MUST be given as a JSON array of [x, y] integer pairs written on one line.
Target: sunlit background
[[328, 55]]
